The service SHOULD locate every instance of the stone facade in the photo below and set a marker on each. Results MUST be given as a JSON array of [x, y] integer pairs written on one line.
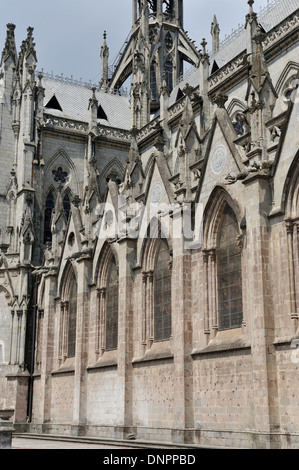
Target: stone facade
[[149, 264]]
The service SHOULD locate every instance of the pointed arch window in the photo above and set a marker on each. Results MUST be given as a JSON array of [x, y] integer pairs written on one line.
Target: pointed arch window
[[66, 205], [107, 311], [229, 268], [112, 307], [68, 317], [153, 81], [162, 294], [169, 74], [49, 206], [72, 318]]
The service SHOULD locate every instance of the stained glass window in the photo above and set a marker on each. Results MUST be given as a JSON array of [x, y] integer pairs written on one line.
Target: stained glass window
[[49, 206], [60, 175], [112, 307], [72, 317], [229, 273], [162, 294]]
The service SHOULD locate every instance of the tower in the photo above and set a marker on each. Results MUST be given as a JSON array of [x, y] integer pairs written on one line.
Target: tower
[[157, 49]]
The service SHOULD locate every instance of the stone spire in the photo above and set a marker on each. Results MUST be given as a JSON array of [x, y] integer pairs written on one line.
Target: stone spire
[[261, 95], [10, 45], [104, 57], [30, 45], [215, 32]]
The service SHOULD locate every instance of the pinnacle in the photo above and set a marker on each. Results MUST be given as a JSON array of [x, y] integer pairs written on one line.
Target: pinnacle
[[10, 45]]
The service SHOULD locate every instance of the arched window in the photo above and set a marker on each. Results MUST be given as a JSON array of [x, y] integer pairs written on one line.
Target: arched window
[[153, 81], [169, 74], [49, 206], [112, 307], [66, 205], [229, 273], [72, 317], [162, 294]]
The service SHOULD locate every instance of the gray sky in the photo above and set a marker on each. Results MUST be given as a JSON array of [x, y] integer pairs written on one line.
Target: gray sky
[[68, 33]]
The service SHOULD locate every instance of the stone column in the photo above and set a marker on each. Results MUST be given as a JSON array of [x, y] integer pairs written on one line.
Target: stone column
[[12, 354], [183, 416], [261, 318], [159, 10], [144, 310], [125, 333], [150, 276], [206, 293], [50, 344], [134, 13], [213, 289], [292, 286], [23, 321], [81, 357]]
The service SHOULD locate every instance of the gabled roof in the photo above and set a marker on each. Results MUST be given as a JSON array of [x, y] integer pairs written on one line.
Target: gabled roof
[[272, 16], [281, 10], [74, 101]]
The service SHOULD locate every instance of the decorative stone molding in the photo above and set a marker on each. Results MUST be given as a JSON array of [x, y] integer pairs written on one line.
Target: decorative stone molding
[[239, 62], [68, 124]]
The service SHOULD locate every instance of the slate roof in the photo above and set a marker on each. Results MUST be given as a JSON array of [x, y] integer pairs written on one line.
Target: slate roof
[[281, 10], [74, 101], [274, 14]]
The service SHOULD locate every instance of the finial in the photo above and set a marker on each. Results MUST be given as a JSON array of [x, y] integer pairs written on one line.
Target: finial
[[250, 3], [105, 35], [204, 44], [30, 31], [11, 27]]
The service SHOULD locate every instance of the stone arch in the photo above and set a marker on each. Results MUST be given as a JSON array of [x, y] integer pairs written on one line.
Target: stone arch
[[290, 195], [64, 287], [150, 164], [292, 68], [69, 164], [102, 267], [5, 325], [150, 244], [213, 212], [7, 294], [234, 107], [113, 167]]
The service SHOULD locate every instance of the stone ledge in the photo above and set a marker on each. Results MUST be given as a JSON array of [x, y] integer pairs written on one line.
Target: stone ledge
[[104, 364], [223, 347], [154, 356], [285, 340]]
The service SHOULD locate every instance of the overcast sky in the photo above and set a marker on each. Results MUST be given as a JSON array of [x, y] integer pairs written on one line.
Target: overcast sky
[[69, 33]]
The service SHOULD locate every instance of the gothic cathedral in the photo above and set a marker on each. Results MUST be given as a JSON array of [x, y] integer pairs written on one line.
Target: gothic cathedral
[[149, 241]]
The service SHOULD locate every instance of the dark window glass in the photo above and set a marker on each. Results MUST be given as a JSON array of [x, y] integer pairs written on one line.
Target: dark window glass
[[72, 318], [49, 206], [66, 205], [162, 295], [154, 83], [169, 75], [112, 307], [229, 273]]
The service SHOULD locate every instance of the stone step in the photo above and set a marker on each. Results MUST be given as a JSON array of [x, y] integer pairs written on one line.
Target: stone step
[[138, 444]]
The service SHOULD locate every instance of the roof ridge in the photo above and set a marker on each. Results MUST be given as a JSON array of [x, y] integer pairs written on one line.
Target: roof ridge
[[80, 83]]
